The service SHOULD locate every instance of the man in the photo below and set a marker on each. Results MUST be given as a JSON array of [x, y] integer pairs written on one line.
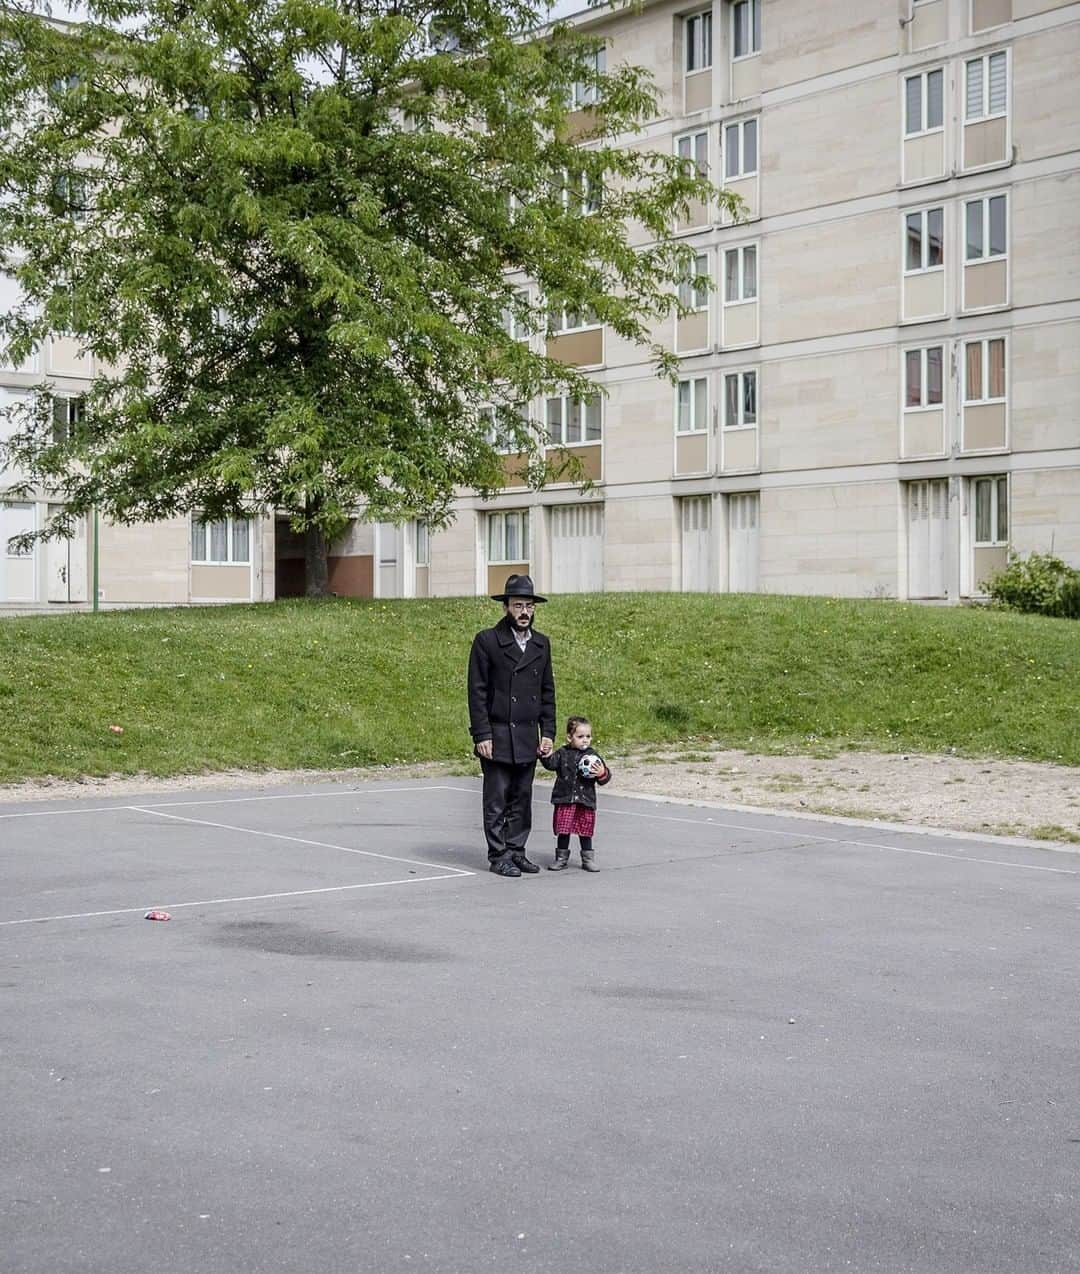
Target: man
[[511, 705]]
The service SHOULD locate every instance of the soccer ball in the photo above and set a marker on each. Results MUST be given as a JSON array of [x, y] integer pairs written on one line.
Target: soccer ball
[[584, 766]]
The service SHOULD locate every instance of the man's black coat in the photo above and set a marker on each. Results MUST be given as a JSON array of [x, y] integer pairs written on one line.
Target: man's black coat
[[511, 695]]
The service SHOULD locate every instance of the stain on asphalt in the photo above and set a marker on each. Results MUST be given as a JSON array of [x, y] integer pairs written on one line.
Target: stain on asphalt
[[674, 996], [281, 938]]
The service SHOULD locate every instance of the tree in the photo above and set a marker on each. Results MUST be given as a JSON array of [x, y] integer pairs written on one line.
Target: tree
[[284, 229]]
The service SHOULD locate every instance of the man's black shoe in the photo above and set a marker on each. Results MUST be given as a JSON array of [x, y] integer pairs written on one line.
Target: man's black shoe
[[504, 867], [523, 864]]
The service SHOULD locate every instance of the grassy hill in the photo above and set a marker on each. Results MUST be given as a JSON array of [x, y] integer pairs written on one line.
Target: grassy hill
[[348, 682]]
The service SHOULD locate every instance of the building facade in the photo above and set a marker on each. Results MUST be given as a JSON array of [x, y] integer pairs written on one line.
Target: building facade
[[878, 396]]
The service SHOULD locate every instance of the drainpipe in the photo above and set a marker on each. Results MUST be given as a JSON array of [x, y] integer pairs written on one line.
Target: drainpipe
[[95, 559]]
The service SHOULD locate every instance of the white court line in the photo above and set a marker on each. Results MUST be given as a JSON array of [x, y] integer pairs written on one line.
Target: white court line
[[298, 840], [827, 840], [236, 800], [214, 902]]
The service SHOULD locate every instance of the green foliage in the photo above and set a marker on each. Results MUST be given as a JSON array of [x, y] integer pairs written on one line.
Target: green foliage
[[287, 232], [346, 683], [1039, 584]]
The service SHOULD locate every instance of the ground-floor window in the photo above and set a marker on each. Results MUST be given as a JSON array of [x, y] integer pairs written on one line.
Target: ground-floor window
[[221, 541], [991, 511], [508, 536]]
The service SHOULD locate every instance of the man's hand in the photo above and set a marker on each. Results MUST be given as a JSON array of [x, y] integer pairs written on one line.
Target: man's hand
[[546, 747], [483, 748]]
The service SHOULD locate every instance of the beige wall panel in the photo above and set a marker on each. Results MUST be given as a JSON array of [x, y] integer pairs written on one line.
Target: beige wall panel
[[984, 427], [802, 40], [835, 539], [420, 588], [1045, 388], [581, 125], [928, 26], [697, 92], [641, 547], [514, 469], [1044, 118], [985, 283], [64, 358], [452, 572], [693, 331], [924, 294], [1028, 8], [143, 564], [739, 450], [499, 574], [924, 157], [1045, 509], [647, 38], [691, 453], [19, 579], [832, 278], [221, 583], [740, 324], [987, 562], [747, 190], [591, 459], [638, 428], [697, 215], [745, 78], [1045, 244], [990, 13], [985, 143], [835, 409], [923, 434], [583, 349], [834, 146]]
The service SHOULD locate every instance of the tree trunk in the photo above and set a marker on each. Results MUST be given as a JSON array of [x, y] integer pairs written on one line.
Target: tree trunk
[[316, 566]]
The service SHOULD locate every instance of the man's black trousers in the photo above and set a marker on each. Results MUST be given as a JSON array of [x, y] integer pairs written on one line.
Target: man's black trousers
[[507, 806]]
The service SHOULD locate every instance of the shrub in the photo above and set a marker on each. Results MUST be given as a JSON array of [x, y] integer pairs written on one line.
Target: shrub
[[1040, 584]]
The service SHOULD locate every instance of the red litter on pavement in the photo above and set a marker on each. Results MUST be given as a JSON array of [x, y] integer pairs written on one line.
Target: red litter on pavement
[[157, 915]]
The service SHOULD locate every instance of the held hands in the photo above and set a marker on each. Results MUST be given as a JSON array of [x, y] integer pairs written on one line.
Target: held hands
[[546, 747]]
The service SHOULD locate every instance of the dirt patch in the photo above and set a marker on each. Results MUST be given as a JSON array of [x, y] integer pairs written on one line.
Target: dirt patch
[[1005, 798]]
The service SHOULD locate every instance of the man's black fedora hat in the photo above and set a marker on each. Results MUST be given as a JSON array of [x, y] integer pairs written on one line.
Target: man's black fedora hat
[[518, 586]]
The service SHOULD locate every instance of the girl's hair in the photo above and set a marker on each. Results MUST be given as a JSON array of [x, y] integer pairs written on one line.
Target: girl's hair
[[572, 723]]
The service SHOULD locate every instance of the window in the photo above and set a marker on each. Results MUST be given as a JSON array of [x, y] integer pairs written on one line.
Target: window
[[694, 148], [745, 28], [986, 87], [991, 510], [511, 323], [67, 417], [499, 425], [582, 194], [508, 536], [692, 406], [694, 291], [697, 34], [925, 235], [70, 197], [740, 274], [923, 377], [924, 99], [740, 399], [224, 541], [571, 421], [422, 553], [567, 320], [984, 220], [984, 370], [585, 92], [740, 148]]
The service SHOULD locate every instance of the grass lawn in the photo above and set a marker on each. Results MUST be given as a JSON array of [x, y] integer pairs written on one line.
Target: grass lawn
[[345, 682]]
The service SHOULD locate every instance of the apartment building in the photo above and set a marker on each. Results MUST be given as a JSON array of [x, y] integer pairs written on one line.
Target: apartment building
[[879, 394]]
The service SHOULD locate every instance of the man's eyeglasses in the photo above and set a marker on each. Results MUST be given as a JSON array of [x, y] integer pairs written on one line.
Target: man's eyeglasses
[[522, 606]]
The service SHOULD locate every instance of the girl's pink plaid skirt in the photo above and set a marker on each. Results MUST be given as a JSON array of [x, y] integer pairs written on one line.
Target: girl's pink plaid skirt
[[573, 820]]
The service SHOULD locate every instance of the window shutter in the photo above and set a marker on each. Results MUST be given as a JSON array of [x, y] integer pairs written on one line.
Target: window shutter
[[998, 84], [974, 107]]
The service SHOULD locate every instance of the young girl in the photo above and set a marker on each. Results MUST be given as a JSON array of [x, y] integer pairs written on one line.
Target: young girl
[[578, 770]]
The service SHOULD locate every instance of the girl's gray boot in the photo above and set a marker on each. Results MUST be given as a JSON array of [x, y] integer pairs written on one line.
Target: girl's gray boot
[[562, 860], [588, 860]]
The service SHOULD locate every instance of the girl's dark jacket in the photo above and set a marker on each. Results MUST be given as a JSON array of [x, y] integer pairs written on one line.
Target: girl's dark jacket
[[570, 787], [511, 695]]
